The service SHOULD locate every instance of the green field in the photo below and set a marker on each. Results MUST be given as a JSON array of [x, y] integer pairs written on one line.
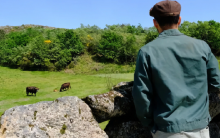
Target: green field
[[14, 82]]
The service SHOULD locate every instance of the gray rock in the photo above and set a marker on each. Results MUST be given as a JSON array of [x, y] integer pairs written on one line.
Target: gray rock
[[115, 103], [126, 127], [214, 130], [118, 102], [66, 117], [214, 102]]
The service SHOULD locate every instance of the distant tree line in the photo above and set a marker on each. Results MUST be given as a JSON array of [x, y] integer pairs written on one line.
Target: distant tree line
[[36, 47]]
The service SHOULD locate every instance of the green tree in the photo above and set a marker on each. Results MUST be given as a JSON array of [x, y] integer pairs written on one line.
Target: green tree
[[128, 52], [131, 29], [110, 45], [2, 34], [70, 40], [151, 34], [209, 31], [139, 29]]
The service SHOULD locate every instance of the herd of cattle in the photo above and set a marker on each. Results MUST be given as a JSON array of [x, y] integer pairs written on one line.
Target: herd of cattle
[[33, 89]]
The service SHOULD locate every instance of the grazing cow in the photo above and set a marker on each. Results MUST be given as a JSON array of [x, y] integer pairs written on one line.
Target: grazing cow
[[64, 86], [32, 90]]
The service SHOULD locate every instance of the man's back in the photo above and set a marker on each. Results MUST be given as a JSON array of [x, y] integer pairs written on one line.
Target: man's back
[[173, 74], [171, 79]]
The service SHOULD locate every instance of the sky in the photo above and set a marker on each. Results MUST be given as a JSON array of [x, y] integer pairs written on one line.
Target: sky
[[71, 14]]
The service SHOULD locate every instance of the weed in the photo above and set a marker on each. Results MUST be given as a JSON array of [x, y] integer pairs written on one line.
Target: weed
[[35, 113], [63, 129]]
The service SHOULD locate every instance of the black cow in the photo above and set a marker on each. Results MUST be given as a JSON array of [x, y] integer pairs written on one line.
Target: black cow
[[64, 86], [32, 90]]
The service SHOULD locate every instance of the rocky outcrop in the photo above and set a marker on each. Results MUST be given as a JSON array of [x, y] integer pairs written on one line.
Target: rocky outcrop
[[126, 127], [214, 130], [116, 103], [66, 117], [121, 112], [214, 102], [119, 102]]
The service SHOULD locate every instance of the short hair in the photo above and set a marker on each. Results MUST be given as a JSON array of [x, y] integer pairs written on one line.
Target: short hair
[[167, 20]]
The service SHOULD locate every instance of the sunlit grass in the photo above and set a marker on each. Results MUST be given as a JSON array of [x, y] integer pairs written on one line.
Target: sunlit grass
[[14, 82]]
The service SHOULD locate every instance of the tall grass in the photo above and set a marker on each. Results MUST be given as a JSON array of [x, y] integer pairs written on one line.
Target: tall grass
[[86, 65]]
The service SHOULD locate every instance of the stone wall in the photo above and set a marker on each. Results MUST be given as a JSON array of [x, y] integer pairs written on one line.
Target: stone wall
[[117, 106]]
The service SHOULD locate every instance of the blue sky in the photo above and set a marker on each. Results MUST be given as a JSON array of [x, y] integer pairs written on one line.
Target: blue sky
[[71, 13]]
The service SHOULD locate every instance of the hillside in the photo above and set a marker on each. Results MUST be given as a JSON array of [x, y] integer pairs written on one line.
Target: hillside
[[36, 47]]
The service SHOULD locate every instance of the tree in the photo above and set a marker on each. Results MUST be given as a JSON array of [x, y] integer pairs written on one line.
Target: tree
[[110, 46], [2, 34], [70, 40]]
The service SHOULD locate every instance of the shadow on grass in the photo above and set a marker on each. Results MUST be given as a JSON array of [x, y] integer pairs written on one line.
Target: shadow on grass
[[31, 95]]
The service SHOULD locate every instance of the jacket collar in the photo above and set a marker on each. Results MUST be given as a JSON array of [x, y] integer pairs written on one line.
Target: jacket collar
[[170, 32]]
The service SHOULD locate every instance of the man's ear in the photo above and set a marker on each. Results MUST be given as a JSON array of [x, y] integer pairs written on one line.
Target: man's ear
[[179, 22], [155, 23]]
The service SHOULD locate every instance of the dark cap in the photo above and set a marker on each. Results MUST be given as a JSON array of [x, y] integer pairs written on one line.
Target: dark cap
[[166, 8]]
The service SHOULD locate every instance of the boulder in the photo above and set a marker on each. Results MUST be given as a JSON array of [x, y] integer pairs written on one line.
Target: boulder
[[66, 117], [126, 127], [214, 103], [214, 130], [117, 102], [117, 106]]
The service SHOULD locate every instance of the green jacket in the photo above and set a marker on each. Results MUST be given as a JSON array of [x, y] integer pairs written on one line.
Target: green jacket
[[171, 83]]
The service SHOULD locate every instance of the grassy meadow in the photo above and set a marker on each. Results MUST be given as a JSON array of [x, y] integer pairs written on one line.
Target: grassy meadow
[[84, 81], [14, 82]]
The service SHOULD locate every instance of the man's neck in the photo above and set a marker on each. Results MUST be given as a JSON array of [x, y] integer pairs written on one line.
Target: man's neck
[[167, 28]]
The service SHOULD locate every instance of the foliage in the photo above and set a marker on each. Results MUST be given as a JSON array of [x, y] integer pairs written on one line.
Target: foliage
[[110, 46], [85, 64], [151, 34], [129, 50], [2, 34], [209, 31], [135, 30], [40, 49], [70, 40], [131, 29], [46, 48]]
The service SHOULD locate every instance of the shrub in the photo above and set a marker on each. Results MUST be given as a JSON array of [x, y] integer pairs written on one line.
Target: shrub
[[25, 46], [129, 50], [131, 29], [151, 34], [70, 40], [209, 31], [2, 34], [110, 46], [48, 55]]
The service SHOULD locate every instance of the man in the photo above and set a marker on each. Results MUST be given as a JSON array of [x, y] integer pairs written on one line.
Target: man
[[172, 77]]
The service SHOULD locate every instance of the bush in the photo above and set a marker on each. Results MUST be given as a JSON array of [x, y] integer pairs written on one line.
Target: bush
[[2, 34], [117, 48], [151, 34], [70, 40], [25, 46], [110, 46], [209, 31], [129, 50], [48, 56]]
